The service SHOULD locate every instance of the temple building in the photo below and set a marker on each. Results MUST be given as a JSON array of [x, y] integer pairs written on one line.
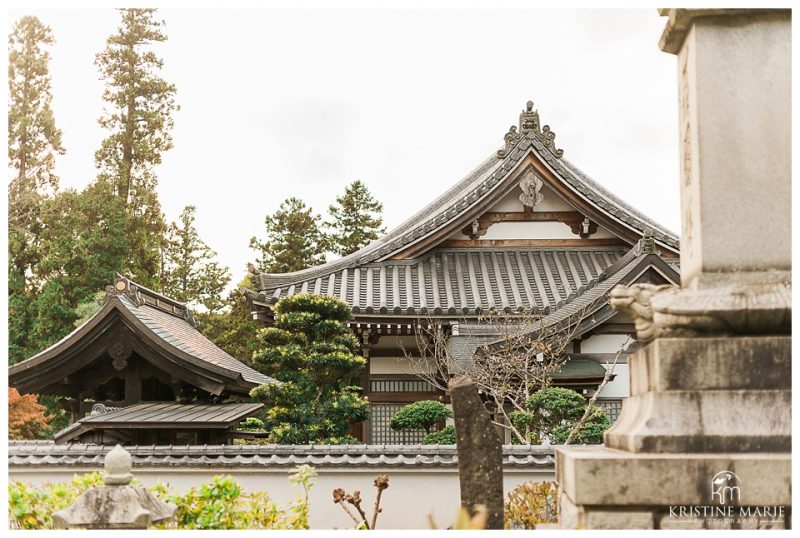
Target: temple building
[[139, 372], [525, 234]]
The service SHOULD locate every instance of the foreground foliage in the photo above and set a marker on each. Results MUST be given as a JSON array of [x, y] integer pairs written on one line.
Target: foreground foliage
[[530, 504], [218, 504], [32, 508], [342, 498], [312, 352]]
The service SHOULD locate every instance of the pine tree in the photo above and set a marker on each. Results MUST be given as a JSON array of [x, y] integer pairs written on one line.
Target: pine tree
[[189, 274], [33, 142], [139, 119], [355, 219], [312, 352], [232, 328], [294, 239], [83, 245]]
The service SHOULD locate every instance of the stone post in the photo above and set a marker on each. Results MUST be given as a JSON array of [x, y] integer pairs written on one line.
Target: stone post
[[704, 440], [117, 505], [480, 452]]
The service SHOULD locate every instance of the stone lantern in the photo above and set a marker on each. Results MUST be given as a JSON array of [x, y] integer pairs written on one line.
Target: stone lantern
[[117, 505]]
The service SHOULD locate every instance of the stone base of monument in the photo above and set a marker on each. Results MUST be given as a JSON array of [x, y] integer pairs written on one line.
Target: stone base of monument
[[721, 394], [704, 441], [603, 488]]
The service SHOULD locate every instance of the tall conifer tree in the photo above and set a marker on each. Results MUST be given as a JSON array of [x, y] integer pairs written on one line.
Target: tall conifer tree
[[190, 274], [355, 219], [33, 142], [294, 239], [138, 116]]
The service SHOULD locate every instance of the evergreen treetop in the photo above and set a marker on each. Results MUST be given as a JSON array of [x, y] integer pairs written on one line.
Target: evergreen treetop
[[139, 119], [189, 272], [294, 240], [355, 219]]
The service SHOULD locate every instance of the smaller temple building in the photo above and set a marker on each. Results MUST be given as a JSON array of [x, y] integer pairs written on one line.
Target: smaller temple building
[[139, 372]]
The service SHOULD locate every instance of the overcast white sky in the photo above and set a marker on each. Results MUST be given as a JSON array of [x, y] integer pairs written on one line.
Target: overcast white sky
[[279, 103]]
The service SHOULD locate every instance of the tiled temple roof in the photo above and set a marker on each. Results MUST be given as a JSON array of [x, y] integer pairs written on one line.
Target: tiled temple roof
[[180, 333], [161, 415], [32, 454], [164, 322], [376, 280], [462, 281]]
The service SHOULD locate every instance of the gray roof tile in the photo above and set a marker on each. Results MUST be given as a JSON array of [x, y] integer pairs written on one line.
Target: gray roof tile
[[463, 281], [24, 454]]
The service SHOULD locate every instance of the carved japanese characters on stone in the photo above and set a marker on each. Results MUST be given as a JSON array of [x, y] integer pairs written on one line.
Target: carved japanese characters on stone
[[531, 185]]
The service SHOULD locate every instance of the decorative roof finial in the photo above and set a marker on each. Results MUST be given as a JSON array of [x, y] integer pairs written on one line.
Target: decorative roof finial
[[647, 244], [529, 119], [529, 126]]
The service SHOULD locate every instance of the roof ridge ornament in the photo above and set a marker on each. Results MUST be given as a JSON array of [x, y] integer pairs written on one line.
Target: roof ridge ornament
[[139, 295], [123, 287], [531, 184], [529, 124], [647, 244]]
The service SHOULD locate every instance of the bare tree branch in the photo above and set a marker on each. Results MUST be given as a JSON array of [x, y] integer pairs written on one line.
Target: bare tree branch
[[515, 354], [606, 378]]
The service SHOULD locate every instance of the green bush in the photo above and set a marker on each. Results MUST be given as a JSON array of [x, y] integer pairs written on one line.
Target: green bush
[[218, 504], [553, 412], [446, 436], [530, 504], [423, 414], [591, 433], [312, 352], [252, 424]]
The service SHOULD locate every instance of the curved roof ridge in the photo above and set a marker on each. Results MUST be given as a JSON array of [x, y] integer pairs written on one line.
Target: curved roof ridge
[[198, 346], [427, 213], [169, 327], [613, 198], [471, 190]]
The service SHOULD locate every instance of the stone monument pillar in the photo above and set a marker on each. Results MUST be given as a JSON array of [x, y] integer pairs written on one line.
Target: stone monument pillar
[[704, 441], [480, 452]]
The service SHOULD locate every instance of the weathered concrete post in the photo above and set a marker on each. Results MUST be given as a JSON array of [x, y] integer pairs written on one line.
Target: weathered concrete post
[[480, 452], [117, 505], [704, 440]]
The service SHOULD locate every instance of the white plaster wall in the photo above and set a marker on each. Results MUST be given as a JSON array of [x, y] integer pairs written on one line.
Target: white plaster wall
[[620, 386], [529, 230], [603, 343], [397, 365], [412, 494]]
